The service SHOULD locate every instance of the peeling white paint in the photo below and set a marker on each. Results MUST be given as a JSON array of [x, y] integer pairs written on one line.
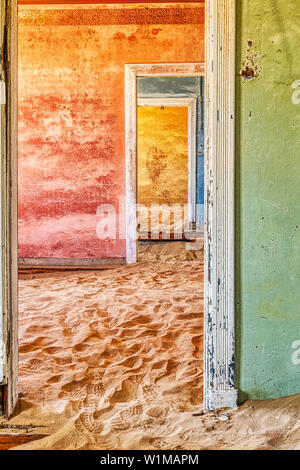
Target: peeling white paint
[[219, 316]]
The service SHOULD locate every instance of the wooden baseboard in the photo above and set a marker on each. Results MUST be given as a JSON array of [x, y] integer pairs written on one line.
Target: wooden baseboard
[[69, 263], [7, 441], [162, 236]]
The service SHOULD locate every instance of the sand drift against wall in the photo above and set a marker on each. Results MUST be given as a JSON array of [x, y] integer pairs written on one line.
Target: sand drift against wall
[[112, 360]]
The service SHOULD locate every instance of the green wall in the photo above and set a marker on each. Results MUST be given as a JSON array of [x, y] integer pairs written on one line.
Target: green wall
[[268, 200]]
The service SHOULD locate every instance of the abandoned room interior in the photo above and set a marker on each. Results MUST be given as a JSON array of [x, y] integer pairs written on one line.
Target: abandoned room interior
[[132, 326], [92, 325]]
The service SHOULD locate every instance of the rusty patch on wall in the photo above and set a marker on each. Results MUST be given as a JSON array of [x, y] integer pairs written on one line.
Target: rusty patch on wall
[[251, 67]]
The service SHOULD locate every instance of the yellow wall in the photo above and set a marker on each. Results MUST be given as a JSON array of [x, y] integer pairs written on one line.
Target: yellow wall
[[162, 155]]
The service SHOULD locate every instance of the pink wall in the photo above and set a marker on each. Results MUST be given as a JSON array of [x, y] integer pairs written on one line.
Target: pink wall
[[71, 115]]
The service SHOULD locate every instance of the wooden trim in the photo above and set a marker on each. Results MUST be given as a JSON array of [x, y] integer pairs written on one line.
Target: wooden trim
[[166, 100], [17, 439], [130, 157], [9, 125], [192, 170], [70, 262], [132, 71], [191, 103], [3, 153], [219, 377], [166, 236], [153, 15], [98, 2]]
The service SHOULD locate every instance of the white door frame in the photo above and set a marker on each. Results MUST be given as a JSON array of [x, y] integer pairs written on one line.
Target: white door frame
[[219, 310], [189, 101], [219, 344], [132, 72], [9, 206]]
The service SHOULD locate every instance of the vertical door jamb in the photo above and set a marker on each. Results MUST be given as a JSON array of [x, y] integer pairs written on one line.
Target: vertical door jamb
[[9, 209], [219, 338]]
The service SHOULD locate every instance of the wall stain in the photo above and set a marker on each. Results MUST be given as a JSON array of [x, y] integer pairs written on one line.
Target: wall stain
[[251, 67]]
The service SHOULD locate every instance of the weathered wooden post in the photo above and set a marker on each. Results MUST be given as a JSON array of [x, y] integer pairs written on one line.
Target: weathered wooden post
[[9, 212]]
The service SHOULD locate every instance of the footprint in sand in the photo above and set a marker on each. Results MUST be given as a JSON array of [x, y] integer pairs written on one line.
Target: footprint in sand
[[149, 392], [86, 422], [125, 290], [132, 411], [75, 389], [92, 406], [159, 444]]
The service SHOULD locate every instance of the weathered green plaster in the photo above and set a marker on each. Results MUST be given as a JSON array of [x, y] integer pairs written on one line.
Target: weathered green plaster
[[268, 200]]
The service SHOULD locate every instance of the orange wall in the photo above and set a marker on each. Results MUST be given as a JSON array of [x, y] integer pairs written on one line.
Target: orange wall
[[71, 114]]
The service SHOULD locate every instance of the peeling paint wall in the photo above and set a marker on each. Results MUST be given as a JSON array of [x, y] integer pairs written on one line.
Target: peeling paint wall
[[267, 196], [71, 114]]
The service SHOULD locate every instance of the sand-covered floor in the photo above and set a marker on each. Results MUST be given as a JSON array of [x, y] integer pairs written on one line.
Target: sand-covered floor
[[118, 350], [113, 360]]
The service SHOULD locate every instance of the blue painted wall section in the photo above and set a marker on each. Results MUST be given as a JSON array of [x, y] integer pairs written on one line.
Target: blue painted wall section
[[187, 86]]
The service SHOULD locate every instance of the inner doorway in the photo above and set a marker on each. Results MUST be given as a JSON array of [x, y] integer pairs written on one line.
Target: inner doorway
[[164, 159], [224, 61], [170, 176]]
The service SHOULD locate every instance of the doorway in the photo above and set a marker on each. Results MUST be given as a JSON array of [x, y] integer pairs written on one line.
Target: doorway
[[165, 157], [219, 380]]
